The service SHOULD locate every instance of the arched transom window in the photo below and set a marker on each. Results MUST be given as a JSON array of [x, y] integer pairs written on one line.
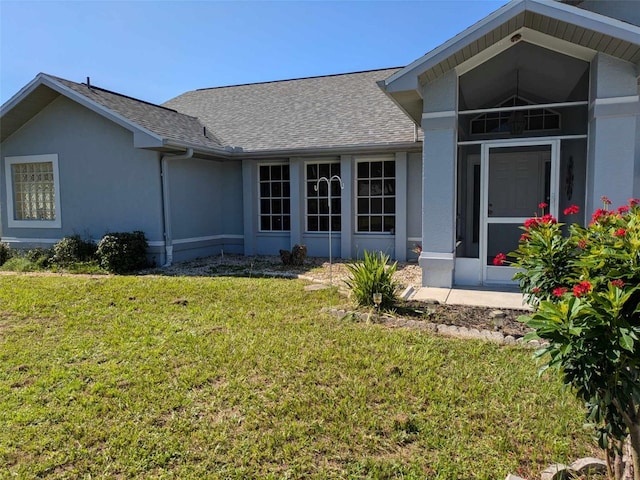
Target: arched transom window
[[532, 120]]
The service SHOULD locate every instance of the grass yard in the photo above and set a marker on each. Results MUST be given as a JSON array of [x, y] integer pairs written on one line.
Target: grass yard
[[164, 377]]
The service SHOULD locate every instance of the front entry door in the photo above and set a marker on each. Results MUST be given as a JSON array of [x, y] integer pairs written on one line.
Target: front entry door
[[516, 178]]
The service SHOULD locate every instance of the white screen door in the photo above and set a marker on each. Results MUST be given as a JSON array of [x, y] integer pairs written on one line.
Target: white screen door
[[516, 178]]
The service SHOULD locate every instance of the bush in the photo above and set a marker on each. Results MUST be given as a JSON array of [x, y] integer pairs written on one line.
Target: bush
[[370, 276], [73, 249], [5, 253], [19, 263], [40, 257], [123, 252], [587, 290]]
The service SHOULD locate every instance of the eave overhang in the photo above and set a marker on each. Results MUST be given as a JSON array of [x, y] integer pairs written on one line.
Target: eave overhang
[[42, 90], [550, 24]]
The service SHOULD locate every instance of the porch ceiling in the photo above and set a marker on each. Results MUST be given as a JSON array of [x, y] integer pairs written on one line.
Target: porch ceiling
[[553, 25], [562, 30]]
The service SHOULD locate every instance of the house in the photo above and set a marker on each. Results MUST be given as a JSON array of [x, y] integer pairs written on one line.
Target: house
[[536, 103]]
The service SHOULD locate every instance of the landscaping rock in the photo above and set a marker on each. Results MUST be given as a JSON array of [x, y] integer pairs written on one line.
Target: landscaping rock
[[590, 466], [557, 471], [408, 292]]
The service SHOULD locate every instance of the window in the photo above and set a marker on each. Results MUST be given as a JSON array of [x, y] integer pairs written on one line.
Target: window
[[376, 196], [535, 119], [318, 201], [33, 191], [275, 203]]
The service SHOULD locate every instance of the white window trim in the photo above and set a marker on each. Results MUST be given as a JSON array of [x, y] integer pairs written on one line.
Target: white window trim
[[306, 197], [369, 159], [259, 209], [11, 221]]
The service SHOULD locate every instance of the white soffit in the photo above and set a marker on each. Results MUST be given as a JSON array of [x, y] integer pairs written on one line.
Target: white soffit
[[531, 36]]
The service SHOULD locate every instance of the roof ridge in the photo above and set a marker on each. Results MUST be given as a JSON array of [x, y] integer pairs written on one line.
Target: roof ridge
[[295, 79]]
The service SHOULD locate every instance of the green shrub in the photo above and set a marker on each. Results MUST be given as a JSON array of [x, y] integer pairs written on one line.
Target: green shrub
[[587, 290], [73, 249], [41, 257], [19, 263], [370, 276], [123, 252], [5, 253]]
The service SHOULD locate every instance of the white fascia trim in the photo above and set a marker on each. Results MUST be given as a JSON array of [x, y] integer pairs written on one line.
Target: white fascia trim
[[11, 221], [200, 148], [22, 93], [586, 19], [372, 149], [98, 108], [556, 10], [209, 238], [51, 241], [461, 40]]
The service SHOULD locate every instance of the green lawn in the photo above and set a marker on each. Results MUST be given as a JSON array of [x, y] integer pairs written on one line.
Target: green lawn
[[158, 377]]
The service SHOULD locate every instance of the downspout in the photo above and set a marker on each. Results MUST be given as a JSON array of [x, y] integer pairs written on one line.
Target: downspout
[[166, 202]]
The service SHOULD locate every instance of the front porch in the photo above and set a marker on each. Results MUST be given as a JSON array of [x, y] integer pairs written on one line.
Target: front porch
[[515, 125]]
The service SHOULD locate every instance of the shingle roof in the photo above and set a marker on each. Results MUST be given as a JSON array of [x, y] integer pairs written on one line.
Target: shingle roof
[[319, 112], [164, 122]]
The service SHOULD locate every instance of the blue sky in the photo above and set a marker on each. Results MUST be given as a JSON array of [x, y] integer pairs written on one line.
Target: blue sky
[[158, 50]]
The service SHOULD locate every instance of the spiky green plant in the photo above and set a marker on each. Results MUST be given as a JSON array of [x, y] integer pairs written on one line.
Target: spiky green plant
[[373, 275]]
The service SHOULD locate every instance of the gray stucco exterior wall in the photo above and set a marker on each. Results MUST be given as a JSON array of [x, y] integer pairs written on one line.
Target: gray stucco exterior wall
[[105, 184], [206, 207], [613, 142], [414, 202]]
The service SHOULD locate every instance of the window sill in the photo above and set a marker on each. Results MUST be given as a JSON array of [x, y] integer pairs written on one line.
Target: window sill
[[34, 223]]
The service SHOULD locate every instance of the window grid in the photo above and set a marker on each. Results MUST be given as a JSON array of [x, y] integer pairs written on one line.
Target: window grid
[[34, 191], [275, 201], [536, 119], [318, 201], [376, 196]]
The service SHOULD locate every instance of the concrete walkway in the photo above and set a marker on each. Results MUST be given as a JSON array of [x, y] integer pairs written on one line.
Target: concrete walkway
[[496, 297]]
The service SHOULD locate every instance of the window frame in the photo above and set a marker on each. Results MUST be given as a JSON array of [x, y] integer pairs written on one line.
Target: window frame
[[382, 196], [271, 197], [325, 197], [502, 117], [12, 222]]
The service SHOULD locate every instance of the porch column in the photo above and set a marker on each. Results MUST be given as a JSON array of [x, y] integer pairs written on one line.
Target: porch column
[[439, 122], [613, 162]]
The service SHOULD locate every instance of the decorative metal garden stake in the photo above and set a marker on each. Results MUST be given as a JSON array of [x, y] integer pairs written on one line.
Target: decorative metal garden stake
[[377, 300], [329, 180]]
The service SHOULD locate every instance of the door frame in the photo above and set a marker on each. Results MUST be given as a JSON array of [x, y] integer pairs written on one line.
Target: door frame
[[503, 274]]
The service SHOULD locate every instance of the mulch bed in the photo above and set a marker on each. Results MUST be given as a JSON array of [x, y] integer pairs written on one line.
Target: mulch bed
[[464, 316]]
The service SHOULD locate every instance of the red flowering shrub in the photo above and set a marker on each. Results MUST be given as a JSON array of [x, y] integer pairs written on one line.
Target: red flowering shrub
[[586, 290], [499, 259], [572, 210], [581, 289], [557, 292]]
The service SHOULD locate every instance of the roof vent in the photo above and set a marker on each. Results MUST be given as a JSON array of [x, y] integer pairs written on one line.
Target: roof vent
[[89, 82]]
